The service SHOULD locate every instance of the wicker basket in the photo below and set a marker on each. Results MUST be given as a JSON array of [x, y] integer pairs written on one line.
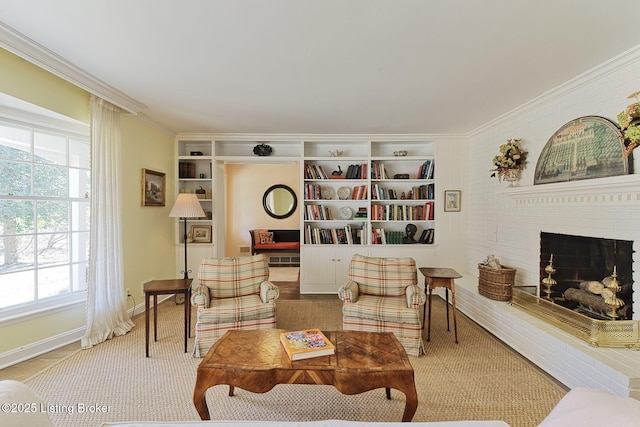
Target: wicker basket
[[496, 284]]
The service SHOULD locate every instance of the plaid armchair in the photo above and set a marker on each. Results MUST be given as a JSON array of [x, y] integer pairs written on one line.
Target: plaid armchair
[[382, 295], [234, 293]]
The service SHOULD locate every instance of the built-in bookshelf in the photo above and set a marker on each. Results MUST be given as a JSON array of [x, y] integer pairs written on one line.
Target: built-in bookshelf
[[357, 195], [335, 182], [195, 160], [403, 192], [375, 193]]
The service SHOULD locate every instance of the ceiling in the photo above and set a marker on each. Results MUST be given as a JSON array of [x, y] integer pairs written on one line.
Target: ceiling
[[330, 66]]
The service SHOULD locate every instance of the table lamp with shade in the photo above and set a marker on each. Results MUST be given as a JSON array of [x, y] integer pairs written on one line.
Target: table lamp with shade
[[186, 206]]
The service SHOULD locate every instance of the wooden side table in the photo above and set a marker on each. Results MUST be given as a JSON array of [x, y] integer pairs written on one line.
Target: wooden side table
[[441, 278], [165, 287]]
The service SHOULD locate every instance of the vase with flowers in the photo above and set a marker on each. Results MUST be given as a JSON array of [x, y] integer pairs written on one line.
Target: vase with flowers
[[508, 163], [629, 120]]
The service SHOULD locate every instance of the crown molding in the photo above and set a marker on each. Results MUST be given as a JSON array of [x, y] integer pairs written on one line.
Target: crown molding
[[616, 63], [31, 51], [318, 137]]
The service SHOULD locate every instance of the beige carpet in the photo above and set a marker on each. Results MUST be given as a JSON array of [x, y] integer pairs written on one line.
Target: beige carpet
[[477, 379]]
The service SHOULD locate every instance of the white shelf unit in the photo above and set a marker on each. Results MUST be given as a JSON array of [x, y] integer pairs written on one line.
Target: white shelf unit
[[335, 189], [378, 206], [327, 201], [195, 174]]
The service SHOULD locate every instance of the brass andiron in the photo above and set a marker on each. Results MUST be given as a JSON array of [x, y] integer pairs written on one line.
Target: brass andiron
[[613, 301], [549, 282]]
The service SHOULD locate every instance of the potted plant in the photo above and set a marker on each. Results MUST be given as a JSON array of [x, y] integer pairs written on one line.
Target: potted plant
[[629, 120], [508, 163]]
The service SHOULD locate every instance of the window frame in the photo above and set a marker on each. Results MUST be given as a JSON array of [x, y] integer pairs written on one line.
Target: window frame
[[36, 119]]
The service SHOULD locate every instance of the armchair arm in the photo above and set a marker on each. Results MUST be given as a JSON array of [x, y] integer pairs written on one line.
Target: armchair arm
[[415, 296], [200, 297], [349, 292], [269, 292]]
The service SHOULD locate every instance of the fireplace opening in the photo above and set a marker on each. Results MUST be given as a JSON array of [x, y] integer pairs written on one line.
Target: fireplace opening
[[583, 269]]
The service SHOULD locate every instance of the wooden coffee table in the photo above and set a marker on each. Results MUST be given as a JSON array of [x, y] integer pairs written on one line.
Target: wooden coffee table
[[256, 361]]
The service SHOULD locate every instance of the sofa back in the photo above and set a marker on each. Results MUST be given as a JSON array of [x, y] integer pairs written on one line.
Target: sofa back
[[233, 277], [383, 276], [277, 236]]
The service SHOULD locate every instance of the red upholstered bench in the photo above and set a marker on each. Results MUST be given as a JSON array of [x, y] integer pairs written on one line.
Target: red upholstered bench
[[282, 241]]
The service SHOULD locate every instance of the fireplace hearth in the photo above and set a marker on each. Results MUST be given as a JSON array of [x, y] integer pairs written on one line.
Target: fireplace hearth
[[598, 333]]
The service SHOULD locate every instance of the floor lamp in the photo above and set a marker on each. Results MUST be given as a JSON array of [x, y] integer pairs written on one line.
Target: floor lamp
[[186, 206]]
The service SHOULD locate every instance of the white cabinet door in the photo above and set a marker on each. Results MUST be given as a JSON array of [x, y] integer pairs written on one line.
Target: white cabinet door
[[342, 256], [324, 268], [317, 269]]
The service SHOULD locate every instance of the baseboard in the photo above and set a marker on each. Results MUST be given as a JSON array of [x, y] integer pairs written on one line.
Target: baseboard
[[46, 345]]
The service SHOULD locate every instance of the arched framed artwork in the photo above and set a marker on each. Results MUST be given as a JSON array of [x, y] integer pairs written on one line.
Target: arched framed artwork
[[585, 148]]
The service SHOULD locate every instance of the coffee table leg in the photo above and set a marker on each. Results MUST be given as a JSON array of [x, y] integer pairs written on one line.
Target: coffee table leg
[[200, 402], [388, 390], [231, 390], [411, 404]]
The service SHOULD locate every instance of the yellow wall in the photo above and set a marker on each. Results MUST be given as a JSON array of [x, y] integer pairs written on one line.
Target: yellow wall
[[245, 185], [147, 232], [149, 246], [23, 80]]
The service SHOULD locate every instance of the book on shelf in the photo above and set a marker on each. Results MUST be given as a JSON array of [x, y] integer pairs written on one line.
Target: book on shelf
[[427, 236], [306, 343], [313, 171]]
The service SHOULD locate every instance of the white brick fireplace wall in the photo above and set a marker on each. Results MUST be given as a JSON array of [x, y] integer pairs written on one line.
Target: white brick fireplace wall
[[507, 222]]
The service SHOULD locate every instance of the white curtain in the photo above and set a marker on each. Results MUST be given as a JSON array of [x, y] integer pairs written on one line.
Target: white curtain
[[106, 303]]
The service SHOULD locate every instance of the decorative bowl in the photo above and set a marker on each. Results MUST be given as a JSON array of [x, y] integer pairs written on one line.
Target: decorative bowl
[[400, 153], [262, 149]]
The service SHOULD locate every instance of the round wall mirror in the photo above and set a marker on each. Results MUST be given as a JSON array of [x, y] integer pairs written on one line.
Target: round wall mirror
[[279, 201]]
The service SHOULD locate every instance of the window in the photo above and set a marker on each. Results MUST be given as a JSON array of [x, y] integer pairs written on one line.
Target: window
[[45, 184]]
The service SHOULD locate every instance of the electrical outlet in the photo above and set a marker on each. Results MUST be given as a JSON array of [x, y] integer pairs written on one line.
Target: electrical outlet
[[127, 292]]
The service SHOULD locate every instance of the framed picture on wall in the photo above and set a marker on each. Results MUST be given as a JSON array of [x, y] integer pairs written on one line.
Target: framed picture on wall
[[201, 233], [153, 188], [452, 200], [585, 148]]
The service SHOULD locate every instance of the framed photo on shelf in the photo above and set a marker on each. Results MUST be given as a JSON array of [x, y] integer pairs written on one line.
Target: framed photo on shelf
[[201, 233], [452, 200], [153, 188]]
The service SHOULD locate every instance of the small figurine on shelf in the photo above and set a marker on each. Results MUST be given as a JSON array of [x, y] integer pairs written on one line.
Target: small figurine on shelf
[[411, 231], [337, 172]]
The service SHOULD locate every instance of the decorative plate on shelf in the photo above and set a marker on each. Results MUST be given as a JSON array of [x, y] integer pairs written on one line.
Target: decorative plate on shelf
[[327, 193], [344, 193], [345, 212]]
